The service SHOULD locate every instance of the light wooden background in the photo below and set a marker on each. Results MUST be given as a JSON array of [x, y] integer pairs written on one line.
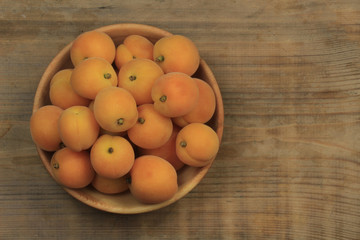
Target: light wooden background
[[289, 163]]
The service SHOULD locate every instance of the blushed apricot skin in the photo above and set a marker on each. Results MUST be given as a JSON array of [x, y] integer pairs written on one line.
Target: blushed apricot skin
[[108, 185], [115, 109], [44, 127], [203, 110], [139, 46], [92, 75], [138, 76], [167, 151], [92, 44], [72, 169], [78, 128], [152, 129], [153, 179], [112, 156], [133, 47], [176, 53], [62, 94], [175, 94], [197, 144]]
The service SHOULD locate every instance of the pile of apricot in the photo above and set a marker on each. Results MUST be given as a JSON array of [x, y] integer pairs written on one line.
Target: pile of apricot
[[127, 117]]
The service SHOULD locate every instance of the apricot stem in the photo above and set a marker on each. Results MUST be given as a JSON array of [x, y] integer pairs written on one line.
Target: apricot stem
[[132, 78], [163, 98], [183, 144], [56, 165], [160, 59], [120, 121], [110, 150], [107, 75], [141, 120]]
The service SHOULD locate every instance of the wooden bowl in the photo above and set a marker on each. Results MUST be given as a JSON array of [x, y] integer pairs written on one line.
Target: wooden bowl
[[125, 203]]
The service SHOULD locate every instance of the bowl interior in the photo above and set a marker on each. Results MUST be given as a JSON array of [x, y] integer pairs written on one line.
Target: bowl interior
[[124, 203]]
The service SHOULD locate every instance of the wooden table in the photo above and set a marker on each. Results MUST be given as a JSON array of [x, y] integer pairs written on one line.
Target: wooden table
[[288, 167]]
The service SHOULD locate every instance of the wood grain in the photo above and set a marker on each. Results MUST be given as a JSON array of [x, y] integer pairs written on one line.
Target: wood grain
[[288, 166]]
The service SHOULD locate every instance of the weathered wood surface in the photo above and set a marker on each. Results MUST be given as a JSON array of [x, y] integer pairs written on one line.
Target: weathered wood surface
[[288, 167]]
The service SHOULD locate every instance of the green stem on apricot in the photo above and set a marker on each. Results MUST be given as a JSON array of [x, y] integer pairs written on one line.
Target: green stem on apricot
[[160, 59], [56, 165], [141, 120], [110, 150], [120, 121], [163, 98], [183, 144], [107, 75]]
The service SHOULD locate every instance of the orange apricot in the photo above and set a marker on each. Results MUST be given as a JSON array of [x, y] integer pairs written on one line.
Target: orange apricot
[[115, 109], [109, 185], [92, 44], [72, 169], [138, 77], [167, 151], [78, 128], [152, 179], [197, 144], [123, 55], [152, 129], [179, 121], [176, 53], [62, 94], [133, 47], [103, 131], [92, 75], [203, 110], [44, 127], [175, 94], [112, 156]]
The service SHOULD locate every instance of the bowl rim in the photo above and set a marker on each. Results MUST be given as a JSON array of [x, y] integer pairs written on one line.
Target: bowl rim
[[82, 194]]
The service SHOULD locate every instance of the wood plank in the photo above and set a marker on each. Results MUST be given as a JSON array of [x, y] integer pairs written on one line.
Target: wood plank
[[288, 166]]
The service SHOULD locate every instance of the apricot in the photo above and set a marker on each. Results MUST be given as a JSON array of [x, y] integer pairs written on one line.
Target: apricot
[[175, 94], [92, 75], [103, 131], [133, 47], [72, 169], [112, 156], [203, 110], [152, 179], [167, 151], [176, 53], [138, 77], [197, 144], [44, 127], [78, 128], [109, 185], [62, 94], [115, 109], [92, 44], [152, 129], [123, 56]]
